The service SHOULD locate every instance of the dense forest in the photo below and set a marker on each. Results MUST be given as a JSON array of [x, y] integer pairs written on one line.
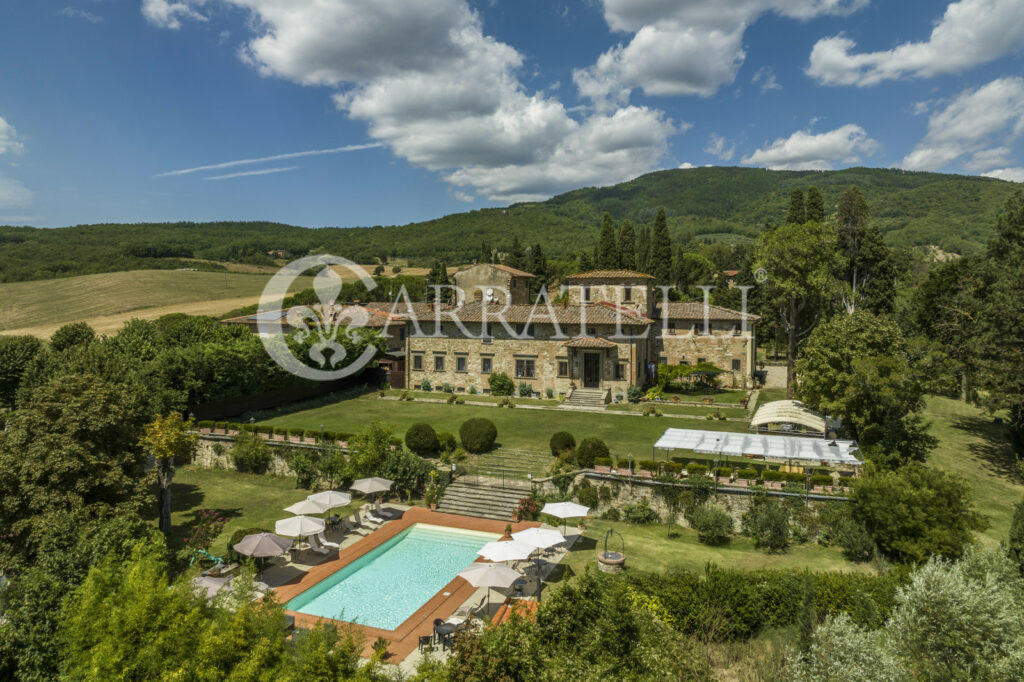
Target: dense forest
[[952, 212]]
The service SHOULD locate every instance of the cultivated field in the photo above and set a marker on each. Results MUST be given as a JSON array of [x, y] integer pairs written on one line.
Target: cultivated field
[[106, 301]]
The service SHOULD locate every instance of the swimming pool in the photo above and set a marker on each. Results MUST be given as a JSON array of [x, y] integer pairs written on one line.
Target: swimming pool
[[382, 588]]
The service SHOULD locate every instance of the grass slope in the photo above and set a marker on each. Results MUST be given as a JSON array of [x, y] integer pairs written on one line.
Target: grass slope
[[48, 304], [972, 445]]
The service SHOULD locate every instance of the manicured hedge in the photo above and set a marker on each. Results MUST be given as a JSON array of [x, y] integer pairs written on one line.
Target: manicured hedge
[[821, 479], [560, 442], [421, 439], [478, 434], [748, 474], [589, 450]]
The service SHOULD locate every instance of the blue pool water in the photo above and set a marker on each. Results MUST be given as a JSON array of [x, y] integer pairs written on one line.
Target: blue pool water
[[388, 584]]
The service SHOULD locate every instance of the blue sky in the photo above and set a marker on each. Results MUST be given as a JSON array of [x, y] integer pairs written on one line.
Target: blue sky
[[140, 110]]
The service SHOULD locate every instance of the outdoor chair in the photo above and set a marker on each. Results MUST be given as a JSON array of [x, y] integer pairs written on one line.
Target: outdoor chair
[[354, 527], [426, 643], [466, 612], [327, 543], [382, 513], [369, 516], [315, 546]]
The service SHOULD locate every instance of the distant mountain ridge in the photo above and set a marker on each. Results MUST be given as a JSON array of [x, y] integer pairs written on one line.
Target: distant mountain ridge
[[953, 212]]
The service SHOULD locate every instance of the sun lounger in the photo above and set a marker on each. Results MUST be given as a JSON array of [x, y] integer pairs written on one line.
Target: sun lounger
[[315, 546], [327, 543], [382, 513], [468, 611], [368, 516], [353, 527]]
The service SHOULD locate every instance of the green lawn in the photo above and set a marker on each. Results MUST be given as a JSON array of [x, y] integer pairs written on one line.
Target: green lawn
[[972, 445], [517, 428], [479, 397], [768, 395], [690, 410], [248, 500], [648, 548]]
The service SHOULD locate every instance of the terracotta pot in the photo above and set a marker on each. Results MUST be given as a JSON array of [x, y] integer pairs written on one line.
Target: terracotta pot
[[433, 506]]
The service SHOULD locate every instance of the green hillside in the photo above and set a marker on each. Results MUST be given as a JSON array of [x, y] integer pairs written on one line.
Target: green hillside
[[953, 212]]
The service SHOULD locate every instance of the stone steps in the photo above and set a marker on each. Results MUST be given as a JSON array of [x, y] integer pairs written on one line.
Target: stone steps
[[480, 501], [587, 397]]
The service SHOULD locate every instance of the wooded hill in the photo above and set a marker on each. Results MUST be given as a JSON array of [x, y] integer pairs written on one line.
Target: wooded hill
[[954, 212]]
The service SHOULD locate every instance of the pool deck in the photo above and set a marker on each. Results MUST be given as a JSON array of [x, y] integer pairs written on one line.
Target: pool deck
[[405, 638]]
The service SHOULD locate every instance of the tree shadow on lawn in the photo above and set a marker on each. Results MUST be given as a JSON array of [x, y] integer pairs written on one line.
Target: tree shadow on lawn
[[992, 445], [308, 404]]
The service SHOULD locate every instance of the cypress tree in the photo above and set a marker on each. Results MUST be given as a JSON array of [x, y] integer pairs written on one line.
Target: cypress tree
[[585, 262], [797, 215], [1016, 546], [607, 256], [538, 265], [815, 206], [514, 259], [485, 253], [661, 249], [643, 249], [627, 245]]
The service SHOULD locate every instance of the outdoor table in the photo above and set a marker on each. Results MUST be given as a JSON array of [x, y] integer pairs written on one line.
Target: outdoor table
[[445, 628]]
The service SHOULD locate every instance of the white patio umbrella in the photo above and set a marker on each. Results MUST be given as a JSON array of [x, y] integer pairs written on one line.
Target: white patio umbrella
[[306, 506], [489, 575], [299, 526], [331, 499], [541, 538], [371, 485], [565, 510], [505, 551]]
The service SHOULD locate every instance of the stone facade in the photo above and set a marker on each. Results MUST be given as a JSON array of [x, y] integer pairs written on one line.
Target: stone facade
[[503, 282]]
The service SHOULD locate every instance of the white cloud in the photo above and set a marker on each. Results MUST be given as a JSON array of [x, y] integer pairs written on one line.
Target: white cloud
[[275, 157], [1010, 174], [76, 13], [168, 14], [979, 122], [720, 147], [13, 194], [439, 92], [971, 32], [689, 47], [922, 107], [806, 151], [245, 174], [9, 140], [685, 165], [766, 77], [464, 196]]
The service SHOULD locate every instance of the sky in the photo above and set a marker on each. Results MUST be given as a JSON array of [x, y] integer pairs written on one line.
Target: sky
[[377, 112]]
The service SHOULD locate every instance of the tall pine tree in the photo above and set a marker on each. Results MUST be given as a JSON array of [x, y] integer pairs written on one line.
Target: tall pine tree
[[627, 245], [514, 258], [797, 215], [815, 206], [643, 249], [607, 255], [661, 249], [870, 272]]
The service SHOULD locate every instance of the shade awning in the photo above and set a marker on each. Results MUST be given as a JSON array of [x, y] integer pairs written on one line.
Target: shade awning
[[798, 448], [788, 412]]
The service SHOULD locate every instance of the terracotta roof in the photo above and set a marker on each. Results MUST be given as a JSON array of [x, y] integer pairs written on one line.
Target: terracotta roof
[[374, 317], [588, 342], [523, 313], [694, 310], [610, 274], [505, 268]]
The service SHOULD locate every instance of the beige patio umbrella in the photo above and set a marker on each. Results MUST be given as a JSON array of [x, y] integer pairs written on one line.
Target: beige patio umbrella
[[480, 574], [306, 506], [372, 485], [565, 510], [505, 551]]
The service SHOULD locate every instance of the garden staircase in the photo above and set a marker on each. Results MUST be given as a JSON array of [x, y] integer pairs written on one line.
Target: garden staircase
[[587, 397], [482, 501]]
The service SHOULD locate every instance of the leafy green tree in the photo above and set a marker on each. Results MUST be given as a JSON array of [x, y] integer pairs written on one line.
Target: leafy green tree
[[1016, 545], [693, 270], [859, 367], [485, 253], [607, 256], [713, 524], [627, 245], [16, 355], [815, 211], [537, 264], [72, 334], [799, 261], [916, 512], [71, 447], [168, 439], [643, 249], [661, 249], [369, 449], [796, 214], [767, 522]]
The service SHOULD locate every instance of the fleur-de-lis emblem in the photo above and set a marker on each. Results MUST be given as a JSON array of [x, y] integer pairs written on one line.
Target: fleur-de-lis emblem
[[326, 319]]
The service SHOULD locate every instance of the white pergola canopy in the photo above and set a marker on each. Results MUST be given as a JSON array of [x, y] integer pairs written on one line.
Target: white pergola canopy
[[788, 412], [783, 448]]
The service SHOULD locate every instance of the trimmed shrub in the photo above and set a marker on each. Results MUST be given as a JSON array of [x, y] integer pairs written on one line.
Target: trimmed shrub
[[525, 390], [694, 469], [500, 384], [561, 442], [478, 434], [672, 467], [611, 514], [589, 450], [749, 474], [251, 453], [634, 393], [425, 385], [446, 441], [821, 479], [472, 390], [603, 461], [448, 388], [422, 440], [773, 476], [640, 513], [723, 472], [205, 424], [586, 494], [549, 393], [713, 524]]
